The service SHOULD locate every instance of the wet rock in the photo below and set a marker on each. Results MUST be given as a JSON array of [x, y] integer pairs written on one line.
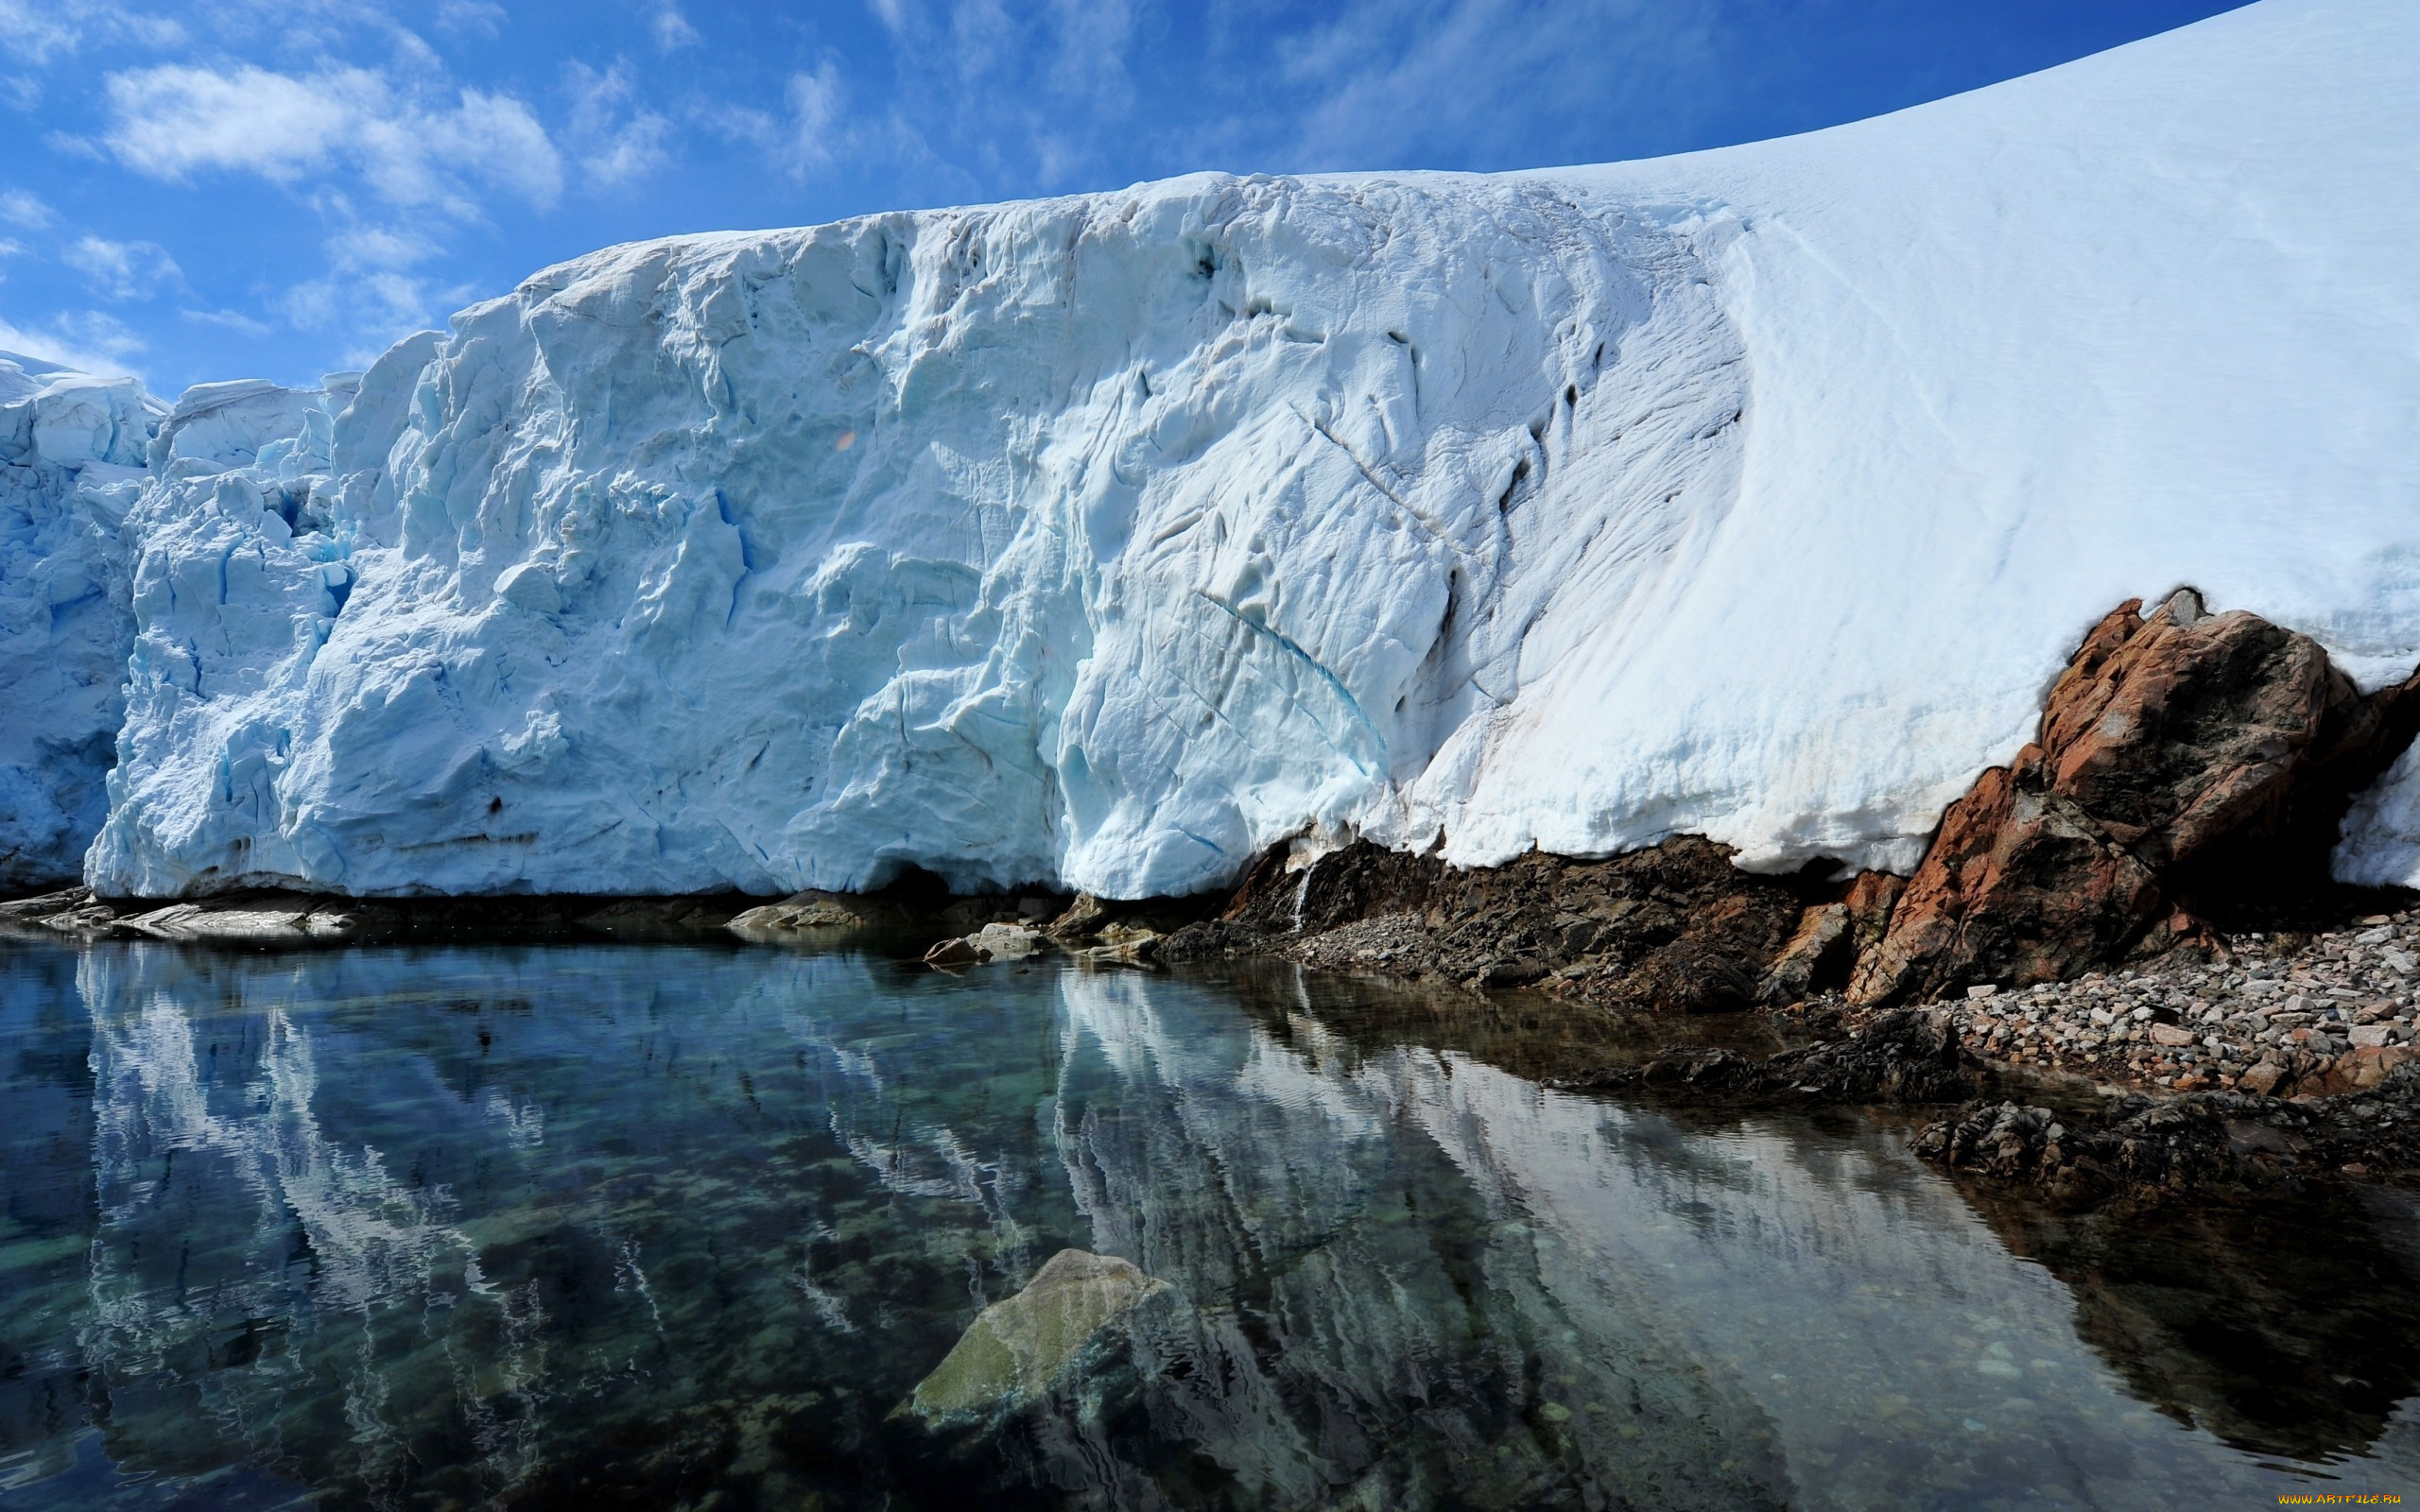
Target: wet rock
[[73, 911], [1030, 1344], [813, 910], [1909, 1055], [2145, 1149], [992, 943], [299, 922], [1084, 916], [1006, 942], [662, 917], [1120, 944], [1675, 928], [953, 952]]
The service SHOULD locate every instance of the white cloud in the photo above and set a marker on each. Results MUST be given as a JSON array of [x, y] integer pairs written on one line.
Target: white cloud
[[612, 149], [371, 295], [87, 341], [470, 17], [19, 208], [381, 246], [819, 103], [412, 148], [122, 271], [235, 320], [672, 29], [815, 128], [10, 248], [39, 30]]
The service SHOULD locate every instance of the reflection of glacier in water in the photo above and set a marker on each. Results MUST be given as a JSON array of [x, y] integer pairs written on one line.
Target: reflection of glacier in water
[[646, 1226]]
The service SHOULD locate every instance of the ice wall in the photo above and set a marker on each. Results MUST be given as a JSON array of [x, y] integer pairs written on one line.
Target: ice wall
[[71, 458], [1108, 539], [1756, 493]]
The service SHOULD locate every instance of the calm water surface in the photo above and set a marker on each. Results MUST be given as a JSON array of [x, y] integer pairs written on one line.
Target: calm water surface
[[598, 1226]]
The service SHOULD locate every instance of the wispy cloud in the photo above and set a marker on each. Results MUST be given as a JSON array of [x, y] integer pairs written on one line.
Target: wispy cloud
[[122, 271], [26, 210], [613, 137], [85, 340], [672, 29], [411, 147], [376, 288], [469, 18], [236, 320], [37, 31]]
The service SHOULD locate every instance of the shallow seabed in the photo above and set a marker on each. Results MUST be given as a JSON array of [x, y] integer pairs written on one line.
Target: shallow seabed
[[657, 1226]]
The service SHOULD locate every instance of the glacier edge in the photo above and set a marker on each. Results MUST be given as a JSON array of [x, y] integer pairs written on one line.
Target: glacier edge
[[1109, 540]]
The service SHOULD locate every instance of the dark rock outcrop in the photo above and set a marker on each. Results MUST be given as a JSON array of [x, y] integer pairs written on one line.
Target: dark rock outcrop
[[1908, 1055], [1675, 928], [2147, 1148]]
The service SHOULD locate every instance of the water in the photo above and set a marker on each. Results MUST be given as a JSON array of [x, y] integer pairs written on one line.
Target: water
[[660, 1226]]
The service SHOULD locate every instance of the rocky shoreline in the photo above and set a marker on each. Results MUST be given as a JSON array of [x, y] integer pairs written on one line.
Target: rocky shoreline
[[2121, 953]]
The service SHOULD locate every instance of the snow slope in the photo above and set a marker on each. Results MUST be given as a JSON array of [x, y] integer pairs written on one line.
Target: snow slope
[[1108, 540], [70, 460]]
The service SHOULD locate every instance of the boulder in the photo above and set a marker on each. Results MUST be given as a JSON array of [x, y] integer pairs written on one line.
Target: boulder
[[813, 910], [1035, 1343], [2185, 761], [1006, 942], [953, 952]]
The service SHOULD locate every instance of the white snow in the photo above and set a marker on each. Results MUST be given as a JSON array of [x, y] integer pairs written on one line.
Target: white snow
[[70, 460], [1109, 540]]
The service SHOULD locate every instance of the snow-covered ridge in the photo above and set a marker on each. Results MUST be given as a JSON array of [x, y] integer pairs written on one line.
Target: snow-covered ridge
[[1109, 540]]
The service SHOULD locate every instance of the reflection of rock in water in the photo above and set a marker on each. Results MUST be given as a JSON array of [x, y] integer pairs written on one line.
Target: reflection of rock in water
[[586, 1227], [1387, 1337], [45, 1207], [2285, 1327]]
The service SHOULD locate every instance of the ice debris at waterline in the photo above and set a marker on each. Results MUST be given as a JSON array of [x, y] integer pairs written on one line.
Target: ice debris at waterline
[[1106, 541]]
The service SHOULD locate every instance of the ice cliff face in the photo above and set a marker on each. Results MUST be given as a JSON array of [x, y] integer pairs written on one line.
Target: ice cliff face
[[1109, 538], [71, 460], [1756, 493]]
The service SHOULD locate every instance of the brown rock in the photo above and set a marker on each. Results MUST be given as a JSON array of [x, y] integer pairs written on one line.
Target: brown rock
[[2170, 1035], [2262, 1079], [2183, 757], [953, 952], [1871, 898], [2357, 1071], [2019, 887], [1085, 916], [1818, 954]]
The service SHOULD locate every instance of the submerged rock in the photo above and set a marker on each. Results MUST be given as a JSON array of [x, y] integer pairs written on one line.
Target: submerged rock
[[1022, 1348]]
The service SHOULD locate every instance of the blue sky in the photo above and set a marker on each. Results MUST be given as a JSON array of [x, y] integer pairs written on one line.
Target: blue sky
[[278, 188]]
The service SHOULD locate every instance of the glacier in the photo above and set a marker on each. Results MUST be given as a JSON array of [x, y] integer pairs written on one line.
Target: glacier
[[72, 459], [1108, 541]]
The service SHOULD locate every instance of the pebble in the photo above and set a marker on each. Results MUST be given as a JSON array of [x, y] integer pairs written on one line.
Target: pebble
[[2280, 1015]]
